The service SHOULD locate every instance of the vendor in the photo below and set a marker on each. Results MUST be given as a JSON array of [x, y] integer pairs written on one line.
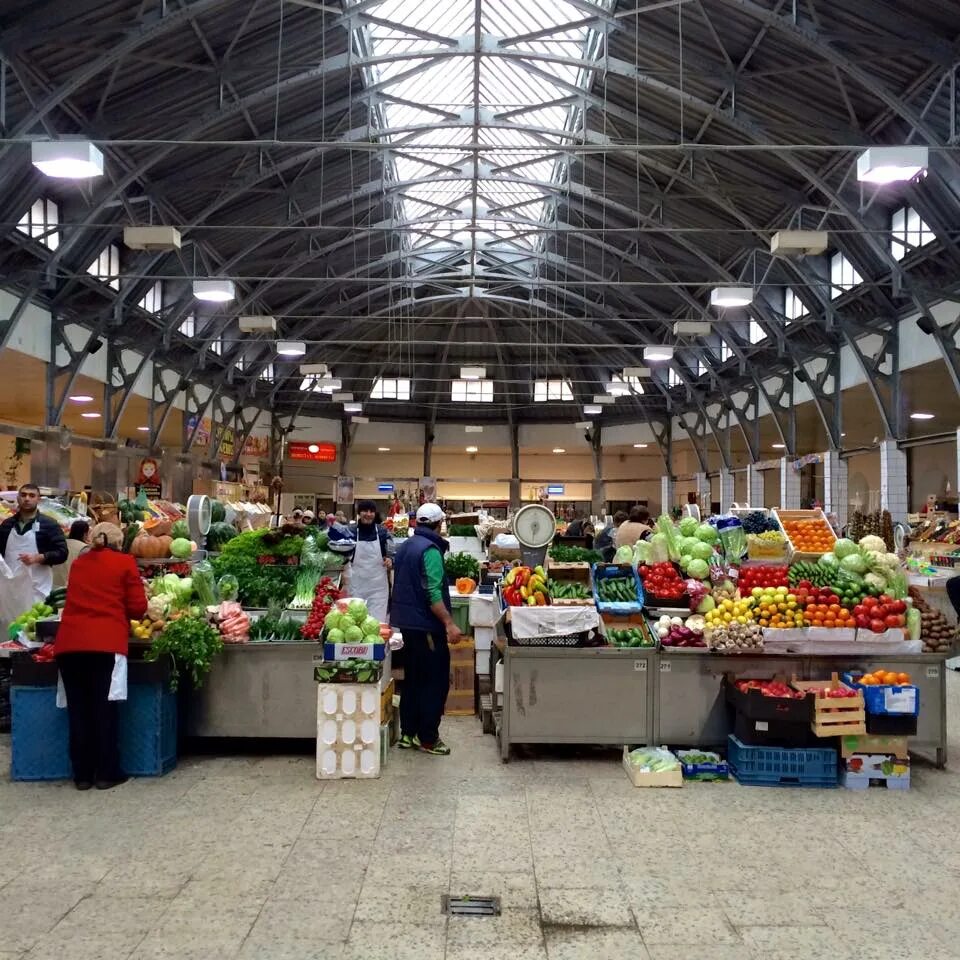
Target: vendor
[[372, 560], [28, 539], [78, 539], [636, 528]]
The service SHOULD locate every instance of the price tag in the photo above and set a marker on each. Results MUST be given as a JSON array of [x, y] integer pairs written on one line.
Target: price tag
[[665, 666]]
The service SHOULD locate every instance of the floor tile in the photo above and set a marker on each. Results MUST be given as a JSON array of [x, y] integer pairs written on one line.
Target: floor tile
[[588, 907], [596, 944], [395, 941], [689, 925]]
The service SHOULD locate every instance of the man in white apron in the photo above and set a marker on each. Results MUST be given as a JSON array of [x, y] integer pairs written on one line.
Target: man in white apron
[[30, 540], [372, 560]]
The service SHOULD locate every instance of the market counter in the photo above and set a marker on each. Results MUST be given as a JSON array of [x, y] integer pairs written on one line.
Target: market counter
[[639, 697], [257, 690]]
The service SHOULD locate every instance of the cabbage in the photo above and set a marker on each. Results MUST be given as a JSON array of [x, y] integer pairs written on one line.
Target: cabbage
[[854, 563], [623, 555], [701, 551], [873, 543], [659, 548], [370, 626], [843, 548], [335, 636], [357, 611], [181, 549], [698, 569], [332, 619], [707, 533], [688, 526], [829, 560], [686, 546], [353, 634]]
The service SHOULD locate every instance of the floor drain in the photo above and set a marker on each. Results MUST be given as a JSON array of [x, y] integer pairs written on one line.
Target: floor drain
[[470, 906]]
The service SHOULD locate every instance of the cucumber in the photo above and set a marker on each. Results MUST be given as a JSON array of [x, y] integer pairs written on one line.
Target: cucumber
[[130, 534]]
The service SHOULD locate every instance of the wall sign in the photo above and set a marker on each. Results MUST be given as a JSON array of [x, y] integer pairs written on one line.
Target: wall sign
[[384, 488], [317, 452], [555, 489], [148, 478]]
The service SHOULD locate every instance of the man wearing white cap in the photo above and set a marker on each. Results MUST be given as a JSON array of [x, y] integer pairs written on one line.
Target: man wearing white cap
[[421, 610]]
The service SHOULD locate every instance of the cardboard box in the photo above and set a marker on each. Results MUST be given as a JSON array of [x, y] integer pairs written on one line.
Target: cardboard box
[[669, 778], [354, 651], [891, 746], [460, 699], [877, 765], [483, 637]]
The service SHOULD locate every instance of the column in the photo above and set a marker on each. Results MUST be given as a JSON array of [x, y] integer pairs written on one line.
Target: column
[[702, 486], [515, 496], [598, 498], [726, 490], [893, 480], [667, 499], [836, 498], [789, 485], [755, 493], [50, 460]]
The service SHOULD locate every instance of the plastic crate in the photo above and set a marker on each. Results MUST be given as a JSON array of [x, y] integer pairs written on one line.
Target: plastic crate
[[460, 613], [41, 735], [782, 767], [609, 571], [148, 730], [889, 700]]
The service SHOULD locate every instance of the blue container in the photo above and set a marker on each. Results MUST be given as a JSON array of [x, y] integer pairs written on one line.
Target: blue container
[[41, 735], [782, 766], [606, 571], [148, 730], [903, 700]]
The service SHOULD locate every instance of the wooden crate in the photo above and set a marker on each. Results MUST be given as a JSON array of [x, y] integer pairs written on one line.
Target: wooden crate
[[783, 516], [834, 717]]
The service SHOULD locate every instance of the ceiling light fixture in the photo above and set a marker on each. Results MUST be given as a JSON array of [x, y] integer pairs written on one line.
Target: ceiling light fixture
[[214, 291], [891, 164], [640, 446], [82, 398], [353, 408], [559, 450], [144, 429], [328, 385], [471, 449], [658, 354], [257, 324], [592, 409], [90, 415], [291, 348], [603, 398], [921, 416], [473, 373], [617, 389], [731, 296], [152, 239], [383, 449], [799, 243], [630, 372], [314, 369], [779, 446], [692, 328], [67, 159]]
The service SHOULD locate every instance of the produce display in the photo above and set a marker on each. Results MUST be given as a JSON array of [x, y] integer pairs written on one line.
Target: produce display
[[265, 564], [771, 545], [232, 622], [459, 565], [325, 597], [771, 688], [734, 637], [776, 608], [465, 585], [275, 628], [758, 522], [462, 530], [884, 678], [661, 582], [879, 614], [191, 642], [931, 626], [525, 586], [821, 606], [353, 625], [680, 632], [27, 622], [347, 671], [877, 524], [617, 589], [564, 554], [631, 637], [763, 575], [568, 590], [811, 535], [732, 611], [653, 760]]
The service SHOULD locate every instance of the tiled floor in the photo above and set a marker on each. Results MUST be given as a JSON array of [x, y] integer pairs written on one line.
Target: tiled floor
[[253, 858]]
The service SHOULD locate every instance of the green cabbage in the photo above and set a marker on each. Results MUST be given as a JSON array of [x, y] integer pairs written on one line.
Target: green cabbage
[[843, 548], [181, 549], [370, 626], [707, 533], [829, 560], [623, 555], [357, 611], [688, 526], [854, 563], [335, 636], [332, 619], [698, 569], [701, 551], [353, 634]]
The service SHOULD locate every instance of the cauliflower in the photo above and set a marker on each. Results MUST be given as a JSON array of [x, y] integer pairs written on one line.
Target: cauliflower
[[159, 606], [873, 543], [883, 563], [876, 581]]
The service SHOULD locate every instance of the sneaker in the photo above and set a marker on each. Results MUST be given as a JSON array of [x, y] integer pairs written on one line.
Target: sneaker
[[110, 784], [408, 743], [438, 749]]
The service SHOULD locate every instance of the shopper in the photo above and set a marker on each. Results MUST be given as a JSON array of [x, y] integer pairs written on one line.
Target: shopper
[[29, 539], [637, 527], [105, 594], [78, 539], [372, 560], [421, 611], [605, 542], [296, 515], [309, 518]]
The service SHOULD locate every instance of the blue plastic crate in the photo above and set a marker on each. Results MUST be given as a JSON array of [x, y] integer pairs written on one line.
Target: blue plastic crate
[[606, 571], [148, 730], [905, 697], [41, 735], [782, 766]]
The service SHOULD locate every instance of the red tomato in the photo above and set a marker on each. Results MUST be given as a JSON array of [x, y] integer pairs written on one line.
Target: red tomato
[[898, 606], [878, 626], [892, 621], [862, 621], [870, 602]]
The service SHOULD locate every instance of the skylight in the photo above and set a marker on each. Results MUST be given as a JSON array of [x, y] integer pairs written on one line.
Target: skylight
[[634, 385], [107, 266], [907, 232], [545, 390], [391, 388], [476, 209], [793, 307], [152, 300], [843, 275], [41, 222], [471, 391], [756, 332]]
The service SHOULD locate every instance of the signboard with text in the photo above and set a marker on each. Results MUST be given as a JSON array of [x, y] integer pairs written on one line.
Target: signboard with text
[[316, 452]]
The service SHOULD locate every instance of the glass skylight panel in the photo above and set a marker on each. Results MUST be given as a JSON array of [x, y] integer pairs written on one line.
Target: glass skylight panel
[[756, 332], [391, 388], [267, 373], [107, 266], [512, 112], [673, 378], [546, 390], [843, 275], [188, 326], [41, 222], [726, 351], [635, 384], [152, 301], [793, 306], [471, 391], [701, 368], [216, 345], [907, 232]]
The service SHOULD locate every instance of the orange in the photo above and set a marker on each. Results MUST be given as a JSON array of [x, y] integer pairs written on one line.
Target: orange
[[868, 681], [903, 678], [891, 678]]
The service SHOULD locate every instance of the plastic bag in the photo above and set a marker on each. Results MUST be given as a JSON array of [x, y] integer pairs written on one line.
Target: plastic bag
[[16, 594], [733, 538], [696, 590], [653, 760], [641, 553], [669, 531]]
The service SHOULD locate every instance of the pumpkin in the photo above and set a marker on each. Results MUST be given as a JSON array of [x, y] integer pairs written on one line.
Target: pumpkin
[[157, 527], [151, 548], [466, 585]]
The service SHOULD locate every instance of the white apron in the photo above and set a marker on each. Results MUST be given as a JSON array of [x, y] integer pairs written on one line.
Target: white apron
[[368, 578], [40, 573]]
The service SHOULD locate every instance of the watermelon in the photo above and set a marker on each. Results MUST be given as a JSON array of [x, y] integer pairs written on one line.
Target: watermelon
[[180, 529], [219, 534], [218, 512]]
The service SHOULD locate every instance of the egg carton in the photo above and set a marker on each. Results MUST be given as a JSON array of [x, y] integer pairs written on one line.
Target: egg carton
[[348, 730]]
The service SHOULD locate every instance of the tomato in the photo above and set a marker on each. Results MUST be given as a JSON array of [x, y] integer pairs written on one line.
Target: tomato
[[860, 610], [862, 621], [870, 602], [892, 621], [878, 626], [898, 606]]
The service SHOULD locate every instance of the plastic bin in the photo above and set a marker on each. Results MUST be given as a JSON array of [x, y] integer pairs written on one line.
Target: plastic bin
[[148, 730], [460, 612], [782, 767], [41, 735], [889, 700], [609, 571]]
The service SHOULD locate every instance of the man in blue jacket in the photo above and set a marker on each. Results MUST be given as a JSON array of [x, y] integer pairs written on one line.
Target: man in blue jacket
[[32, 541], [420, 609]]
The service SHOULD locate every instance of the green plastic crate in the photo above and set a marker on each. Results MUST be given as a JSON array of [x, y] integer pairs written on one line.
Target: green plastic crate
[[461, 613]]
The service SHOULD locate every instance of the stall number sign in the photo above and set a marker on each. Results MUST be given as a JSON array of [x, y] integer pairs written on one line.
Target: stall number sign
[[555, 489], [384, 488], [317, 452]]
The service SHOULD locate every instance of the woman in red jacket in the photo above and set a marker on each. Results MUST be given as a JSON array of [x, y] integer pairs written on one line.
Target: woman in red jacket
[[105, 593]]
